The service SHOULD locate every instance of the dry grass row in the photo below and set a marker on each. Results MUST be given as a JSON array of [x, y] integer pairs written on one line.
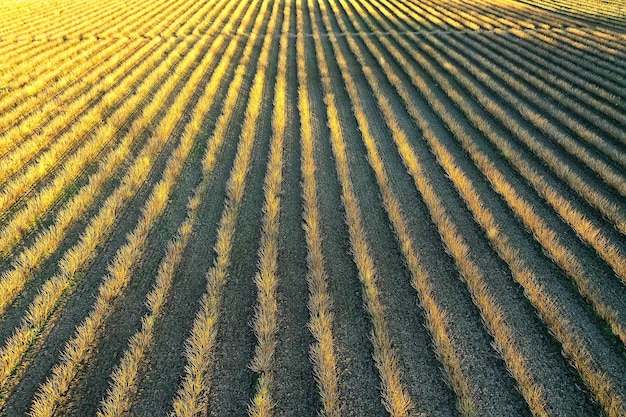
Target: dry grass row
[[76, 259], [491, 312], [573, 343], [608, 36], [54, 393], [599, 9], [425, 15], [34, 208], [583, 227], [30, 125], [26, 106], [546, 54], [135, 21], [547, 237], [193, 392], [611, 176], [592, 6], [451, 17], [26, 264], [534, 22], [577, 128], [265, 322], [514, 15], [18, 59], [423, 18], [576, 218], [97, 145], [600, 42], [532, 25], [322, 351], [564, 63], [594, 111], [45, 26], [66, 73], [493, 17], [26, 71], [484, 20], [59, 140], [606, 45], [17, 55], [428, 13], [604, 104], [42, 114], [437, 317], [613, 9], [124, 377], [156, 13], [394, 395], [42, 80], [44, 23]]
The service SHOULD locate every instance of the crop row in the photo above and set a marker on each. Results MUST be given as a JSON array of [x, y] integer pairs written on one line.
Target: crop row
[[78, 257], [498, 126]]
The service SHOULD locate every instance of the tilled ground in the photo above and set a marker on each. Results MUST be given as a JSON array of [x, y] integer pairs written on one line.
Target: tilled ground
[[449, 290]]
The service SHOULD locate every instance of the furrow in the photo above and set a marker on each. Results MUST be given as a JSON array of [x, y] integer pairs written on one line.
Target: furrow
[[76, 259], [193, 393]]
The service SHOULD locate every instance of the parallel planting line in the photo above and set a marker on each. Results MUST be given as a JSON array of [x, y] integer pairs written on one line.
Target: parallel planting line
[[594, 111], [32, 125], [77, 258], [611, 176], [26, 264], [491, 312], [529, 30], [41, 80], [71, 94], [581, 132], [53, 393], [573, 343], [18, 59], [549, 54], [503, 121], [586, 229], [72, 79], [587, 46], [36, 205], [77, 19], [39, 49], [70, 138], [31, 87], [265, 323], [548, 238], [322, 352], [394, 395], [192, 397], [436, 315], [35, 26], [125, 376], [34, 208], [31, 77], [592, 234]]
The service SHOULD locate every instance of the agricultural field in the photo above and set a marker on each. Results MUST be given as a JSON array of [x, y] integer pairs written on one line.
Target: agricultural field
[[313, 207]]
